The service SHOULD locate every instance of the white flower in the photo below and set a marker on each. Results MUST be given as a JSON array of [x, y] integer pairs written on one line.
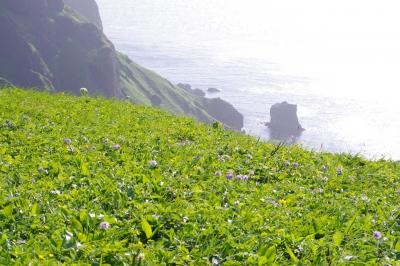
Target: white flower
[[214, 261], [84, 91]]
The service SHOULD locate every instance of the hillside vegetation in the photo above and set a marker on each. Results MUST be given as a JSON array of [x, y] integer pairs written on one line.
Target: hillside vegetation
[[49, 45], [89, 181]]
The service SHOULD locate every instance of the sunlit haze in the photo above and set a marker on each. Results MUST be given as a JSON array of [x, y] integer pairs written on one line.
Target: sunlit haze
[[338, 60]]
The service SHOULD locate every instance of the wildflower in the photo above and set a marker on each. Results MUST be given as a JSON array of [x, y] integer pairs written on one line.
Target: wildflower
[[340, 171], [71, 149], [93, 148], [140, 257], [104, 225], [218, 173], [245, 177], [153, 163], [68, 235], [282, 202], [116, 147], [55, 192], [214, 261], [237, 202], [67, 141], [249, 156], [239, 177], [105, 141], [42, 170], [84, 91], [364, 198], [229, 176], [287, 164], [377, 234], [320, 190], [295, 165]]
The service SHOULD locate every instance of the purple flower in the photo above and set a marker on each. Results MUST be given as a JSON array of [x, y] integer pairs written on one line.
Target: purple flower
[[153, 163], [93, 148], [287, 164], [239, 177], [377, 234], [67, 141], [245, 177], [295, 165], [116, 147], [340, 171], [104, 225], [105, 141], [229, 176]]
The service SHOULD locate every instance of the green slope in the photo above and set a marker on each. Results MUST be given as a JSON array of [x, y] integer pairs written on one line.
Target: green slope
[[98, 201], [57, 49]]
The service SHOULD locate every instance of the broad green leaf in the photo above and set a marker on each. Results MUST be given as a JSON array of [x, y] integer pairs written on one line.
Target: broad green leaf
[[76, 225], [397, 246], [35, 209], [338, 238], [7, 211], [85, 169], [147, 228], [262, 251], [271, 254], [262, 260]]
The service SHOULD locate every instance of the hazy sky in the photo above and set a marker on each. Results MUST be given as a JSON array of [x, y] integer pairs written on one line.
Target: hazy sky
[[346, 46]]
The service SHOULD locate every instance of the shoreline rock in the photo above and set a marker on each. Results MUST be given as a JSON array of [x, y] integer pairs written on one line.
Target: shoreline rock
[[213, 90], [284, 121]]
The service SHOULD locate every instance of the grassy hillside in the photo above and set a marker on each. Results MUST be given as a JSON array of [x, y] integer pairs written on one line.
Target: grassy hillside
[[87, 181], [51, 46]]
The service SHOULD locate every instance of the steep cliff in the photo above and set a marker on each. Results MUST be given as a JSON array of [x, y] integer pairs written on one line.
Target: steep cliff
[[88, 9], [49, 45]]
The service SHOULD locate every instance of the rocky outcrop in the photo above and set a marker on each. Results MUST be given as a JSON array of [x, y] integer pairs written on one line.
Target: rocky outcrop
[[213, 90], [224, 112], [188, 88], [88, 9], [284, 121]]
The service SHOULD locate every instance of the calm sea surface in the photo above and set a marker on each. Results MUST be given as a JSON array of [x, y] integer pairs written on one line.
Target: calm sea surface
[[338, 62]]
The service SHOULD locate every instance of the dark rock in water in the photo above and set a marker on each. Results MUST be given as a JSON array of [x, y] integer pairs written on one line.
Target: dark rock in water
[[224, 112], [184, 86], [284, 121], [155, 100], [213, 90], [199, 92], [188, 88], [88, 9]]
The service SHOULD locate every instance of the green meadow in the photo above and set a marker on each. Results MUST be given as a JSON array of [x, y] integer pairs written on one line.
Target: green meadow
[[91, 181]]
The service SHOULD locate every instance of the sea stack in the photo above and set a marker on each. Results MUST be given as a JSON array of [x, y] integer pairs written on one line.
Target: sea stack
[[284, 121]]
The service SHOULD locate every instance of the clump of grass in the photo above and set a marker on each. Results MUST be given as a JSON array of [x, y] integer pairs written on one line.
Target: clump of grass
[[94, 181]]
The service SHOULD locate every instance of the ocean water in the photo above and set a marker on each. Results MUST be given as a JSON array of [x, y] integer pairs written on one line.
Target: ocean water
[[337, 61]]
